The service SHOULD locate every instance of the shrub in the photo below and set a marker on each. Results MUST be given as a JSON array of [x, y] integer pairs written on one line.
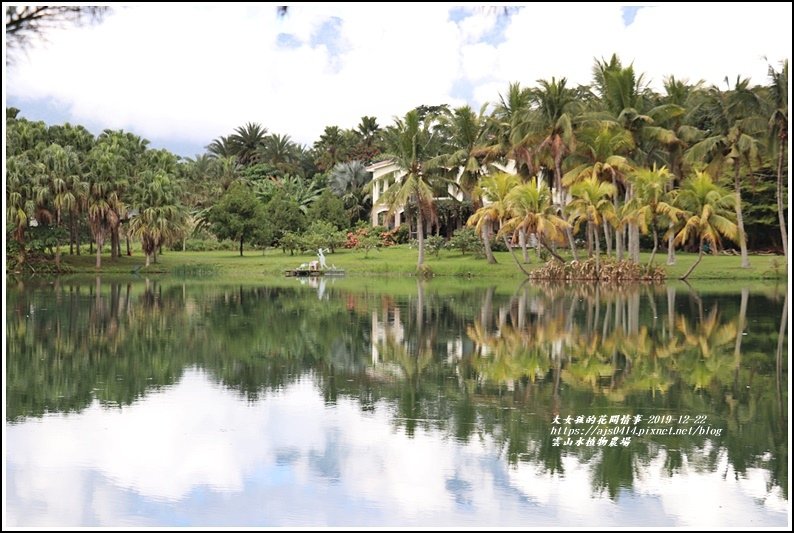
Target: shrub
[[465, 240], [435, 243]]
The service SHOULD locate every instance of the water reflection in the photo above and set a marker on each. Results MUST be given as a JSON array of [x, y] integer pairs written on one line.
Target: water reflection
[[193, 405]]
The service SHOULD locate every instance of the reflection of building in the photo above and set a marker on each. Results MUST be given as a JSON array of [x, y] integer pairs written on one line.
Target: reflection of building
[[389, 326]]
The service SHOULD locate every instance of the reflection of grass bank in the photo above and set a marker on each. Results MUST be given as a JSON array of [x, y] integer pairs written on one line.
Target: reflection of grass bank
[[401, 261]]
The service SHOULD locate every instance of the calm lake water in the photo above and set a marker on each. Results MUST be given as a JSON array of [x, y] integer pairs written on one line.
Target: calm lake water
[[358, 403]]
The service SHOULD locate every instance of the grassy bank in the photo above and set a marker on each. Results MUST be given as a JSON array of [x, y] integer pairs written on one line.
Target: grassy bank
[[401, 261]]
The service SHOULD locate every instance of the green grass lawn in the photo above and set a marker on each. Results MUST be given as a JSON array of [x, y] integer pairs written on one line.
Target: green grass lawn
[[399, 261]]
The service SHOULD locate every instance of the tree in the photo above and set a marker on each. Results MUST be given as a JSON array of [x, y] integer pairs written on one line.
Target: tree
[[58, 188], [532, 210], [733, 117], [466, 131], [160, 218], [495, 189], [329, 208], [708, 217], [556, 105], [651, 201], [591, 203], [348, 181], [778, 130], [412, 145], [246, 142], [238, 215], [25, 22], [283, 215]]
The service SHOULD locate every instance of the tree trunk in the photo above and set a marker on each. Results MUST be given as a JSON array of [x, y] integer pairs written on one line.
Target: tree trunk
[[589, 233], [154, 255], [597, 251], [520, 266], [241, 246], [696, 263], [486, 241], [608, 240], [779, 196], [522, 239], [127, 235], [739, 217], [148, 259], [619, 244], [670, 247], [71, 233], [552, 252], [634, 239], [420, 238], [572, 244], [655, 246], [99, 250], [57, 241]]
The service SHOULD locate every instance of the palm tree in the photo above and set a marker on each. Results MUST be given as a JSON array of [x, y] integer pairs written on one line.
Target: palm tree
[[495, 189], [246, 141], [599, 156], [347, 181], [20, 203], [59, 187], [280, 152], [556, 105], [651, 201], [160, 219], [221, 147], [511, 132], [707, 211], [591, 203], [778, 129], [532, 210], [412, 145], [466, 130], [733, 118]]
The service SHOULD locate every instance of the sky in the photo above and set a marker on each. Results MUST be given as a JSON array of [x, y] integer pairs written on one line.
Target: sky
[[181, 76]]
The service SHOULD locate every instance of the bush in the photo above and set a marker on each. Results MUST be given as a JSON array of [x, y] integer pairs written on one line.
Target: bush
[[434, 244], [204, 245], [323, 234], [465, 240]]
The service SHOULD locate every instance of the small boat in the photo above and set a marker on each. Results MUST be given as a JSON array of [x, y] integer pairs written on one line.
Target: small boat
[[308, 272]]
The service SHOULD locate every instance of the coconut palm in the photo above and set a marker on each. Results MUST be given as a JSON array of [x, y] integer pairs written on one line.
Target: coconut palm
[[494, 190], [466, 132], [511, 131], [601, 155], [412, 144], [532, 210], [778, 129], [557, 107], [733, 118], [706, 209], [592, 204], [651, 202]]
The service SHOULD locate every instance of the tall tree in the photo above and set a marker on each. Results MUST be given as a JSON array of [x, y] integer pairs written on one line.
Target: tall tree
[[532, 209], [733, 118], [246, 142], [778, 130], [652, 202], [58, 188], [413, 144], [591, 203], [160, 218], [707, 208], [494, 189]]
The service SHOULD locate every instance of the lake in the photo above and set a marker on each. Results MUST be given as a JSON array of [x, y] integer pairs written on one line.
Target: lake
[[167, 402]]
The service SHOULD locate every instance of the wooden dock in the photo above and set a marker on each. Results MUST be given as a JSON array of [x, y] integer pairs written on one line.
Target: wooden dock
[[307, 272]]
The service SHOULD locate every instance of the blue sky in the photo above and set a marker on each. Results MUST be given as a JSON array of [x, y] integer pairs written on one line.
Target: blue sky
[[183, 75]]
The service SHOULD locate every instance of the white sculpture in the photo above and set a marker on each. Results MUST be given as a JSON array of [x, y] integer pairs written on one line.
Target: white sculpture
[[321, 257]]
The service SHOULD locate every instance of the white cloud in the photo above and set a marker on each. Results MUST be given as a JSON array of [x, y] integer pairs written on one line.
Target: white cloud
[[193, 73]]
